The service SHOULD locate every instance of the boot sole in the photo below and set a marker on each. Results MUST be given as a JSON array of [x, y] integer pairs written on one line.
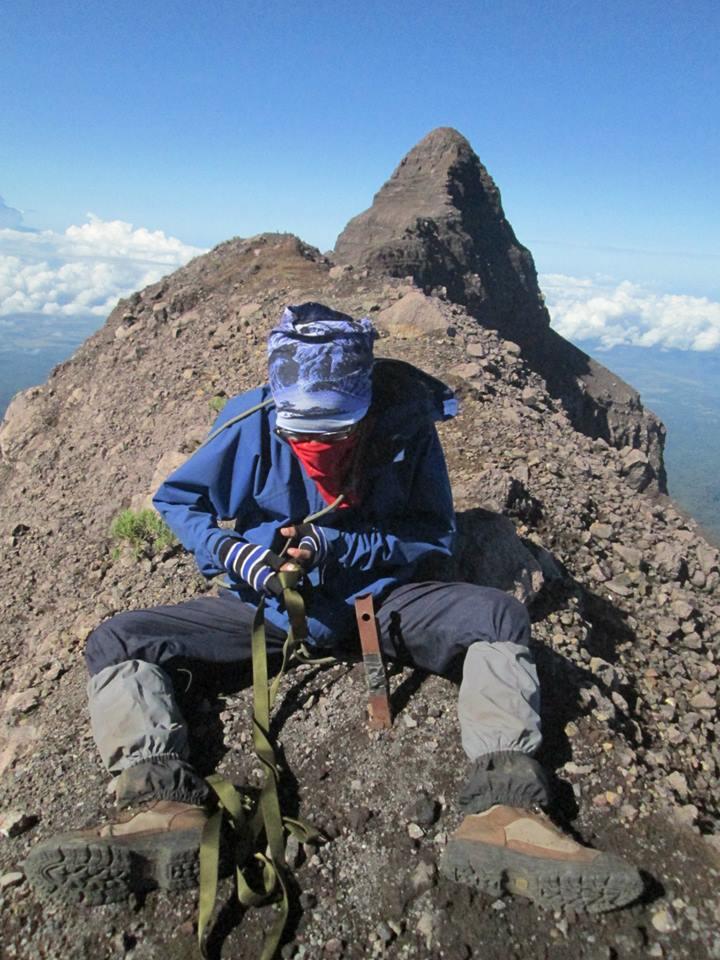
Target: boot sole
[[605, 883], [108, 869]]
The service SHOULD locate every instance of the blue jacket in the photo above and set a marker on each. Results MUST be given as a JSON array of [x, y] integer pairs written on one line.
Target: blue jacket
[[247, 474]]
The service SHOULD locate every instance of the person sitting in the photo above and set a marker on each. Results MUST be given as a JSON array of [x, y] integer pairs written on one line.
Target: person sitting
[[351, 441]]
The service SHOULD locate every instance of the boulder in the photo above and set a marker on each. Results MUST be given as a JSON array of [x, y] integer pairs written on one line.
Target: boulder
[[21, 422], [636, 469], [490, 553], [414, 315]]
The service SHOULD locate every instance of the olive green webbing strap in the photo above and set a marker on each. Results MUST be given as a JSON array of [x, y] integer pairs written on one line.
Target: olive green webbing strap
[[266, 817], [300, 651], [249, 825]]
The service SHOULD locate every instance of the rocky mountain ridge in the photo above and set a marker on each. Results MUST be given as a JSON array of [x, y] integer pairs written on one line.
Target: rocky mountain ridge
[[624, 593]]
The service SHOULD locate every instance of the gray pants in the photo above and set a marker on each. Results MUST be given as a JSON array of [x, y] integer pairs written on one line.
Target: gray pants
[[434, 626]]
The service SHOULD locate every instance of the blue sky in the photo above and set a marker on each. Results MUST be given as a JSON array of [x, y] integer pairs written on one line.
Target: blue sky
[[195, 122]]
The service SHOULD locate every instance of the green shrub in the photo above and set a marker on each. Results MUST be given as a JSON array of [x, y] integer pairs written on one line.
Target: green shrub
[[144, 530], [217, 402]]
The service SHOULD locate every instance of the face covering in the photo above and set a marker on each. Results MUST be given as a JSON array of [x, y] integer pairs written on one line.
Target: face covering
[[328, 465]]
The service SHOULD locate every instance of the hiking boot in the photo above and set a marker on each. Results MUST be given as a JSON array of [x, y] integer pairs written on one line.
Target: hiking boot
[[155, 847], [509, 850]]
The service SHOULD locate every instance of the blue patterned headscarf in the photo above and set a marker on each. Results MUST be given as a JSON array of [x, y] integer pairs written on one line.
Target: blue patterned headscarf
[[320, 368]]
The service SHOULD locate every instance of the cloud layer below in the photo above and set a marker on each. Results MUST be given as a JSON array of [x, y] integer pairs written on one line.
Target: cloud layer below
[[83, 271], [610, 313]]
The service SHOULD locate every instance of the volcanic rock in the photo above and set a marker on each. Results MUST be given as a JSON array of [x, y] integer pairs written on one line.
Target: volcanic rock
[[412, 316]]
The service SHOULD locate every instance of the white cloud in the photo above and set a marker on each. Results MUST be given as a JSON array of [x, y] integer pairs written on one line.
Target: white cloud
[[611, 313], [84, 270]]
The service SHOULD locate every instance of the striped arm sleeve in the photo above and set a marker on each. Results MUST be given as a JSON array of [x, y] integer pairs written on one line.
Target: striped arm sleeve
[[253, 564]]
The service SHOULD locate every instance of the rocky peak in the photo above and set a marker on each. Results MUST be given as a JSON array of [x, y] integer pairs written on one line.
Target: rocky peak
[[439, 219]]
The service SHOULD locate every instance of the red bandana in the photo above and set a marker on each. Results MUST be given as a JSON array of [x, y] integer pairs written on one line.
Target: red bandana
[[327, 464]]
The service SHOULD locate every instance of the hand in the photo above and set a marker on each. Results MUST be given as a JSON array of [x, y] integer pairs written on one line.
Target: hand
[[311, 549], [255, 565]]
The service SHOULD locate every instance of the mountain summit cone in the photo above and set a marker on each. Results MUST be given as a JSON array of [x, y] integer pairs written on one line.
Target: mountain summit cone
[[439, 219]]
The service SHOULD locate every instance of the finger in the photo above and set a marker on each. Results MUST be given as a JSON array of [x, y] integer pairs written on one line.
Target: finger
[[288, 531], [301, 555]]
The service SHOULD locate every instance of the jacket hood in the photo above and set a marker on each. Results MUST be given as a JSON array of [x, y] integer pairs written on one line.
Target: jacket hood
[[409, 397]]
